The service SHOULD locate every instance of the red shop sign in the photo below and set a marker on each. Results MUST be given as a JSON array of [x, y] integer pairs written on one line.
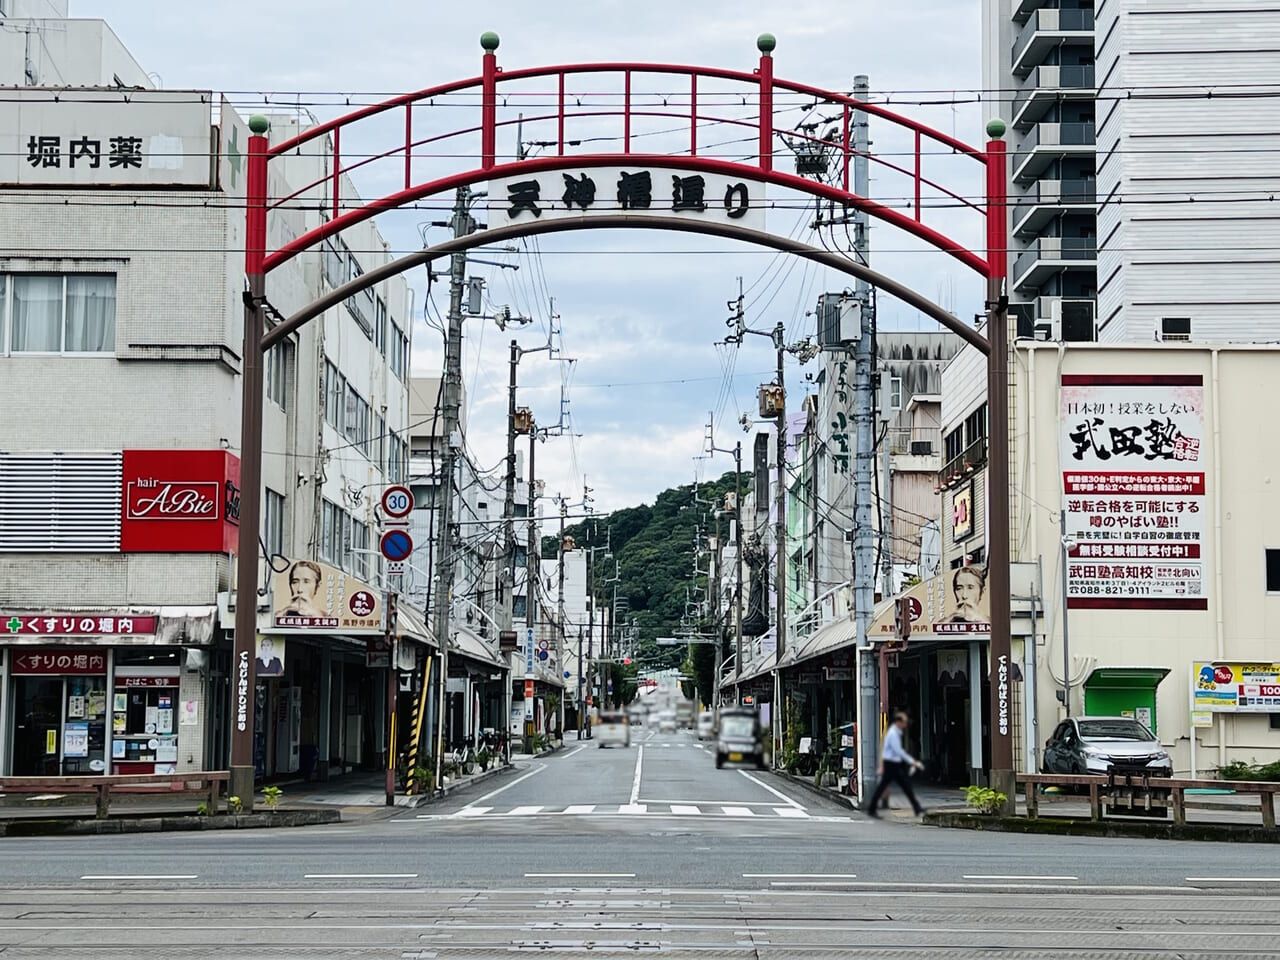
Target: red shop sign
[[146, 681], [57, 662], [179, 501], [76, 625]]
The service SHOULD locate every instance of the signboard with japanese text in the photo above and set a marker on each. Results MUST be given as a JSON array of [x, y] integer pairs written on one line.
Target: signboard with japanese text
[[19, 626], [1134, 491], [95, 137], [1236, 687], [52, 661], [310, 597], [179, 501], [639, 189]]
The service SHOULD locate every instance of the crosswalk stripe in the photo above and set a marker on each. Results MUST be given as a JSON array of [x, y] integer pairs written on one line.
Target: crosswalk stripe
[[791, 812], [473, 811], [523, 811], [633, 808], [685, 811], [737, 811], [579, 809]]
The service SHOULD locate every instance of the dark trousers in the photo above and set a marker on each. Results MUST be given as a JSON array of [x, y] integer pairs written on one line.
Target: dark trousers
[[900, 775]]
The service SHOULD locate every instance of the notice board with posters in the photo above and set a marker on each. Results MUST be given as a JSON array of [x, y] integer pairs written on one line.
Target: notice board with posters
[[1134, 490]]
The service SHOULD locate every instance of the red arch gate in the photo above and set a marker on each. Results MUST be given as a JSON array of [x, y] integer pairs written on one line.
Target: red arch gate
[[698, 108]]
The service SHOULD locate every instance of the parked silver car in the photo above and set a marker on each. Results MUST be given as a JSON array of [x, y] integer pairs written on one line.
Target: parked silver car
[[1093, 744]]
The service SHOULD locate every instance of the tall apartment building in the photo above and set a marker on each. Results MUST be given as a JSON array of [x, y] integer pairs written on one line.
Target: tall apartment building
[[121, 271], [1038, 58], [1188, 106]]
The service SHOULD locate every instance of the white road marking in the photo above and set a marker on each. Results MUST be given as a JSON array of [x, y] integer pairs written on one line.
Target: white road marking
[[801, 876], [791, 812], [359, 876], [738, 811], [473, 811], [580, 808], [1233, 879], [685, 810], [139, 876], [507, 786], [1012, 876], [633, 808], [590, 876], [635, 784], [576, 751], [523, 811], [777, 793]]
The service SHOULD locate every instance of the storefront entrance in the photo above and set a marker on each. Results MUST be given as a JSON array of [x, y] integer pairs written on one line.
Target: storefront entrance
[[59, 725]]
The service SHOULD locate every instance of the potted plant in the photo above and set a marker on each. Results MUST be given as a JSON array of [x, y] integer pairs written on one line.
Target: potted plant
[[421, 777], [484, 758]]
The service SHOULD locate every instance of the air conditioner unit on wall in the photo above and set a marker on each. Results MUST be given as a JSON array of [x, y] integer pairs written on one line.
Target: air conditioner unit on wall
[[1072, 321]]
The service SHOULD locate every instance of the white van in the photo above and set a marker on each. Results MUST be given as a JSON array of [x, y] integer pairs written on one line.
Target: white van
[[612, 729], [706, 725]]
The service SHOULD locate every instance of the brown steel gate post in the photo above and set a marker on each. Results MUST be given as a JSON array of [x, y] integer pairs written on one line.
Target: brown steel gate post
[[243, 670]]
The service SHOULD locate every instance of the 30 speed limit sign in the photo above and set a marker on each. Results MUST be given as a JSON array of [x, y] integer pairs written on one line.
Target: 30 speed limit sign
[[397, 502]]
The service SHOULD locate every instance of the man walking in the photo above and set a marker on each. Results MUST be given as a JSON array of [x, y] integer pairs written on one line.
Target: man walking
[[896, 766]]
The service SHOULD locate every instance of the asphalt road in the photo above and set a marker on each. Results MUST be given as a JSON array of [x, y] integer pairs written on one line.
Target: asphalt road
[[624, 851]]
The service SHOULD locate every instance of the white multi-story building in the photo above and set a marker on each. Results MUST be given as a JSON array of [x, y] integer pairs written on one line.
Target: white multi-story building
[[1187, 225], [121, 324]]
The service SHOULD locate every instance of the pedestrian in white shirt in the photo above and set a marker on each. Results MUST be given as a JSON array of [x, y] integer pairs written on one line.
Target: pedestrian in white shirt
[[896, 766]]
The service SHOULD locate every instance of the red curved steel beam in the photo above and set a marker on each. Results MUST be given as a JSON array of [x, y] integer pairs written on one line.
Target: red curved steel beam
[[694, 164]]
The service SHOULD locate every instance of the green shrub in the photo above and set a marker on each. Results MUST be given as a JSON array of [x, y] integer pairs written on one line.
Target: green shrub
[[202, 810], [271, 796], [984, 800], [1239, 770], [234, 805]]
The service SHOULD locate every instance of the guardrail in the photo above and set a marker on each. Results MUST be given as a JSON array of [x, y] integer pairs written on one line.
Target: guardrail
[[1146, 794], [209, 786]]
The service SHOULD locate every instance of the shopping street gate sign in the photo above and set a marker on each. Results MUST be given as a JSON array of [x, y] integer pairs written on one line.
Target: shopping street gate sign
[[644, 102]]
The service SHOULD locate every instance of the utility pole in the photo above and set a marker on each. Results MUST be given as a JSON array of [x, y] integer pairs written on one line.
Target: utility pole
[[451, 402], [864, 573], [533, 578], [564, 507], [780, 544], [506, 609]]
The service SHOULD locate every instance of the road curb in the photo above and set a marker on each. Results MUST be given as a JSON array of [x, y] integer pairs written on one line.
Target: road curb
[[1073, 827], [449, 788], [246, 821], [807, 783]]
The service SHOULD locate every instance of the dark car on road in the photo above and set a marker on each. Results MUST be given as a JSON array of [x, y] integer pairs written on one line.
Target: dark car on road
[[739, 738], [1093, 744]]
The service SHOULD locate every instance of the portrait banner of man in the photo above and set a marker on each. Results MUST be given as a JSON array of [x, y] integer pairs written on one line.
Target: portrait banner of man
[[308, 596], [270, 656]]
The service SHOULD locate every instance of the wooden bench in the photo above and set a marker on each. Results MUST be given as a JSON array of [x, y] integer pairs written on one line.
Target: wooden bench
[[1102, 788], [207, 783]]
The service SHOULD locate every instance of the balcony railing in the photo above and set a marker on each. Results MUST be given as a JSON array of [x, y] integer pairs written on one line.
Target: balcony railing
[[1061, 135], [1056, 248], [963, 466], [1047, 84], [914, 441], [1066, 191], [1044, 31]]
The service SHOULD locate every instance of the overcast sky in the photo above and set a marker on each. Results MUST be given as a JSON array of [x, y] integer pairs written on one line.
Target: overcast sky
[[639, 312]]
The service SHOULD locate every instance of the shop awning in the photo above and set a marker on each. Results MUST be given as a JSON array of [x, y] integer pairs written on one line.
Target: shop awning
[[474, 647], [98, 626], [758, 669], [411, 625], [1126, 678], [827, 639]]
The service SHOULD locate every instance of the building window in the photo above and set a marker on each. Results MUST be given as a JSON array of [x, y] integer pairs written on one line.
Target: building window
[[334, 273], [975, 425], [335, 395], [330, 528], [1273, 571], [522, 556], [380, 325], [55, 313], [954, 444], [359, 548], [895, 393], [277, 373], [520, 606], [355, 420], [379, 444], [273, 523]]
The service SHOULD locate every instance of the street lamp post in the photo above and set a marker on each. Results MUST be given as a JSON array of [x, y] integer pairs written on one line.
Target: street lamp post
[[1068, 543]]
